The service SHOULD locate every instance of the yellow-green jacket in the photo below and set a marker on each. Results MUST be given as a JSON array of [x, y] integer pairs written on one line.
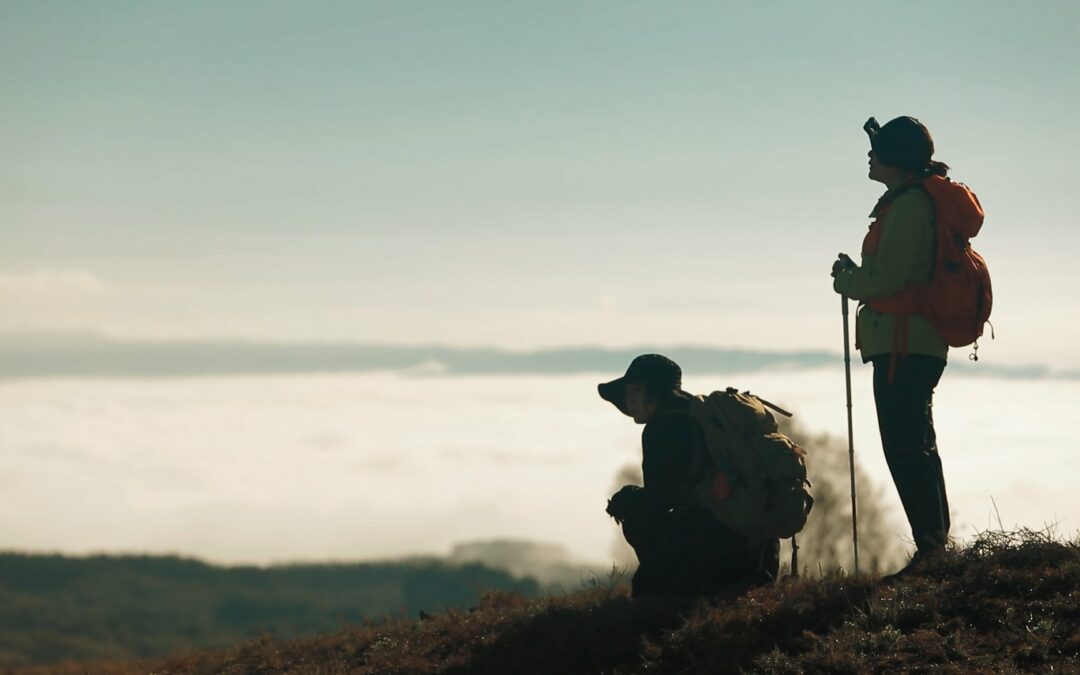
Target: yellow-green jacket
[[905, 254]]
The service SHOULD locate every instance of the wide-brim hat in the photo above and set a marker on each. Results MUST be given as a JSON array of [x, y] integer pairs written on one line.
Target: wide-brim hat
[[658, 373]]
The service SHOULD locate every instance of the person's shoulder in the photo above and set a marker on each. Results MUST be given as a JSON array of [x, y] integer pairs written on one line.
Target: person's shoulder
[[911, 208], [668, 424], [914, 200], [676, 417]]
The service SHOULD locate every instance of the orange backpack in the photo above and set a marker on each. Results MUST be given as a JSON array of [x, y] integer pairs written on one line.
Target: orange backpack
[[957, 298]]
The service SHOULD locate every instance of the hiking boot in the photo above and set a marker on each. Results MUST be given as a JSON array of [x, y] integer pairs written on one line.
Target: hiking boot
[[919, 563]]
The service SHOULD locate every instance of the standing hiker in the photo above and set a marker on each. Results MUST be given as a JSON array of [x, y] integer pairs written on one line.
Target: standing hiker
[[910, 310], [682, 549]]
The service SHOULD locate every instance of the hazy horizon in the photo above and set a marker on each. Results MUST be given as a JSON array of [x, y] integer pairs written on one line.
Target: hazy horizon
[[91, 354]]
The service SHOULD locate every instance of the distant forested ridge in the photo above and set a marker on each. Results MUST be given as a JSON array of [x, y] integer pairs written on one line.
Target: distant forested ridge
[[54, 608], [94, 355], [91, 355]]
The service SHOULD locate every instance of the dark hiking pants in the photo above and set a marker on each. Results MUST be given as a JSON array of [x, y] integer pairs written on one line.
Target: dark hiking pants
[[691, 553], [905, 418]]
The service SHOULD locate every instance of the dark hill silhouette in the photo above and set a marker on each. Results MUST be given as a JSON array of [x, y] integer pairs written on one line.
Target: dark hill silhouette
[[56, 607], [1006, 603]]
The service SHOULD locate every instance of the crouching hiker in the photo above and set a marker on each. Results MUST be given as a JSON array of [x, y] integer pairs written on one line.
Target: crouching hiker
[[704, 522]]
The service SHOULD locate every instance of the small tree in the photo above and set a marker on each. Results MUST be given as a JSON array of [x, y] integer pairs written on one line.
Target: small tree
[[825, 543]]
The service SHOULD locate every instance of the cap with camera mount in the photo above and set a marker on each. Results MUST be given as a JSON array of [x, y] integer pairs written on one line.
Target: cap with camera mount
[[904, 142]]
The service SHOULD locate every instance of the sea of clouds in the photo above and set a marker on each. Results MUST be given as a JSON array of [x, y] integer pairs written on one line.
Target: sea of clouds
[[268, 468]]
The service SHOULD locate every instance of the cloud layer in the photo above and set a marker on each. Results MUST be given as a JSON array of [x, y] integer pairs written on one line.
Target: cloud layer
[[265, 468]]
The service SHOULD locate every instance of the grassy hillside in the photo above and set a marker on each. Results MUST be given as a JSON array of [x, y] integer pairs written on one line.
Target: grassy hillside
[[1007, 603]]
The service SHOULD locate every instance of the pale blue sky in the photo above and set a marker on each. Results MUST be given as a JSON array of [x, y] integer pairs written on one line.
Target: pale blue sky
[[514, 174]]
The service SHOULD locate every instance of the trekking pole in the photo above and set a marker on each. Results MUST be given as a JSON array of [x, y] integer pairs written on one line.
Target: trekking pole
[[850, 433]]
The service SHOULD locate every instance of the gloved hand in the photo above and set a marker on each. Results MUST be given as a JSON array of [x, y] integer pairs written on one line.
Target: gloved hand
[[625, 502], [843, 262]]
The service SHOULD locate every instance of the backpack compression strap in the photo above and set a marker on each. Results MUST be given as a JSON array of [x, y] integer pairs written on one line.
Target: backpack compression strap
[[773, 406]]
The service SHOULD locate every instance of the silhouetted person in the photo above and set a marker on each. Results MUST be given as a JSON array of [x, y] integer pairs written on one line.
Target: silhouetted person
[[682, 549], [907, 351]]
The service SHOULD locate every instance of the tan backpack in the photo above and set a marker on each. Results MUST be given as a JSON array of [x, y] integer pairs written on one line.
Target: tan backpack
[[751, 476]]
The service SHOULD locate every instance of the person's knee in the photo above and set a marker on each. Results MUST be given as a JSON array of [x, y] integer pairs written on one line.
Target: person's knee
[[907, 459], [645, 534]]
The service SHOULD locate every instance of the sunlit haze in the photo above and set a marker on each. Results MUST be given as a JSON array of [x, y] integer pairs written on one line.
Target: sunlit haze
[[508, 176]]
